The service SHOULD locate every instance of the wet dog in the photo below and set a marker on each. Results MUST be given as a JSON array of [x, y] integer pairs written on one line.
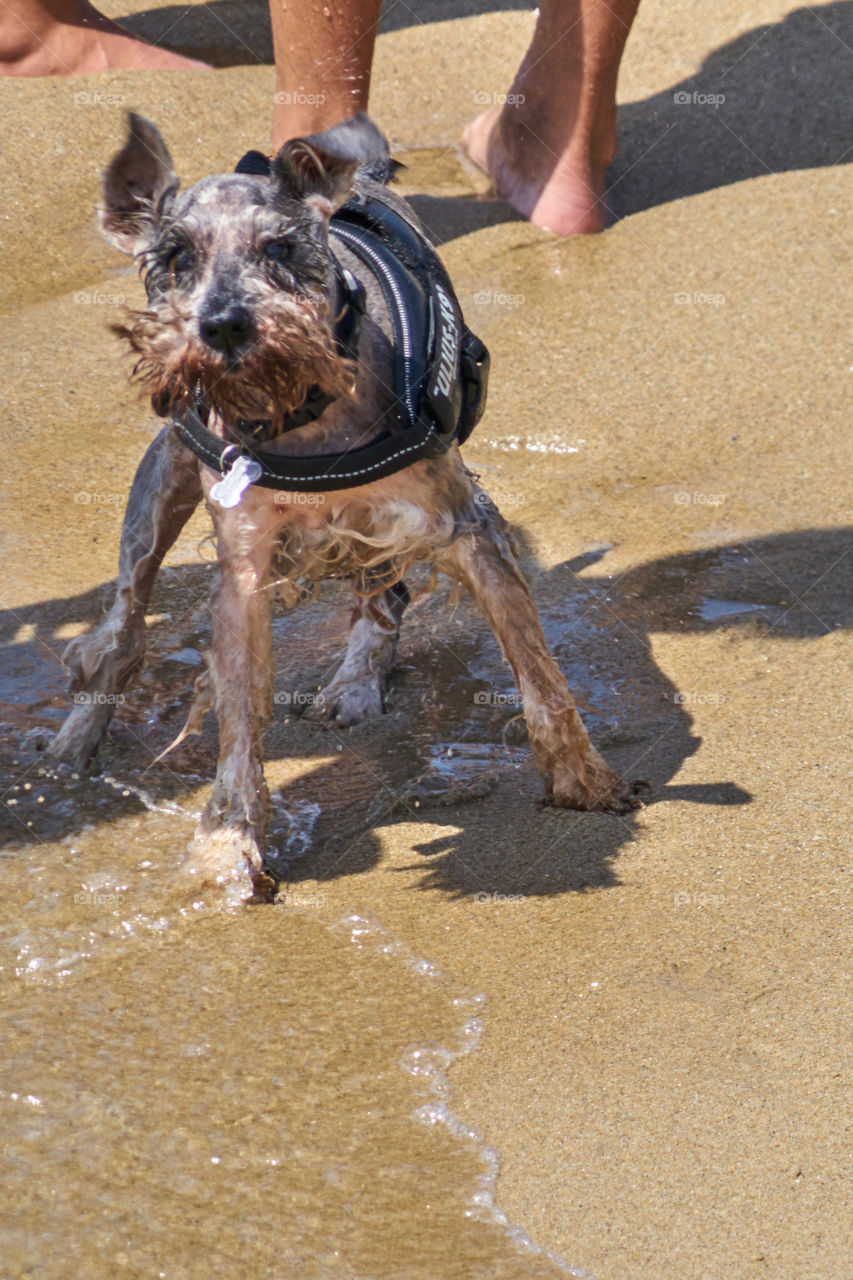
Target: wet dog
[[247, 281]]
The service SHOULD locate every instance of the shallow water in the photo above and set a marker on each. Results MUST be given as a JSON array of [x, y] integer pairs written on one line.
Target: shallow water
[[190, 1089], [184, 1096]]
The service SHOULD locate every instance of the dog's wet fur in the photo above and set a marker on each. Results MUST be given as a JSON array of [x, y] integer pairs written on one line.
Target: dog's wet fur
[[242, 299]]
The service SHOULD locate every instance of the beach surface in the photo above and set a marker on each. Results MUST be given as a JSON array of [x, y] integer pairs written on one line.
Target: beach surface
[[475, 1037]]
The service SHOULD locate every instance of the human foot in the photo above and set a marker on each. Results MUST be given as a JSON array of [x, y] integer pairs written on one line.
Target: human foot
[[73, 38], [560, 192]]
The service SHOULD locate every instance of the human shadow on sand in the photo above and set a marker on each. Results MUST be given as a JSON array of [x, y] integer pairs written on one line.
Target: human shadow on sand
[[452, 712], [229, 33]]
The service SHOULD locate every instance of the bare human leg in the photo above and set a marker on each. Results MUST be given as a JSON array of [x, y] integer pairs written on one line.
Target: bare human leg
[[70, 37], [548, 146], [323, 56]]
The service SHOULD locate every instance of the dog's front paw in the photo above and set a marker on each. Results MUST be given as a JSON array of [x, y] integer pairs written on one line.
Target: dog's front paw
[[77, 742], [602, 791], [347, 702], [228, 860]]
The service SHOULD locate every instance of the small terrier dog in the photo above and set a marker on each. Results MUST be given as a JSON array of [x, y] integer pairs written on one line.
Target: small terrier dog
[[243, 275]]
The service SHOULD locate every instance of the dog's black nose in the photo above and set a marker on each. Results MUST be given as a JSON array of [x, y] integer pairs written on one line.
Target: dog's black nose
[[227, 328]]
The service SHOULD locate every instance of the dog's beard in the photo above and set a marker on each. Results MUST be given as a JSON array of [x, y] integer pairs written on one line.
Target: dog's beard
[[293, 350]]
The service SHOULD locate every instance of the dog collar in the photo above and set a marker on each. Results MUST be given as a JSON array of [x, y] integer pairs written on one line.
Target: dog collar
[[440, 367]]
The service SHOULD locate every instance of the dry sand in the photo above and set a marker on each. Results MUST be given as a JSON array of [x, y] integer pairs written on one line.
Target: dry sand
[[665, 1058]]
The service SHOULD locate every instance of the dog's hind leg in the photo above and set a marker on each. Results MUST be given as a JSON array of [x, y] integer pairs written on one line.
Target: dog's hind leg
[[574, 774], [357, 691], [231, 837], [165, 491]]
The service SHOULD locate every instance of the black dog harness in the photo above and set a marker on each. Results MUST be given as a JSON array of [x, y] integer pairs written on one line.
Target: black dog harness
[[440, 368]]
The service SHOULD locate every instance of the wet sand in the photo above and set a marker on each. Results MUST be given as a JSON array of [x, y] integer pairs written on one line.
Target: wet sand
[[642, 1019]]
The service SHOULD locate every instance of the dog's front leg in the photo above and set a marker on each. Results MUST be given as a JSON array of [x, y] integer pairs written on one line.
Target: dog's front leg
[[574, 774], [231, 836], [165, 492]]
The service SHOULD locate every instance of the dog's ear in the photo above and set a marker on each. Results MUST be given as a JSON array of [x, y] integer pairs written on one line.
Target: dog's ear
[[137, 183], [319, 177], [358, 138]]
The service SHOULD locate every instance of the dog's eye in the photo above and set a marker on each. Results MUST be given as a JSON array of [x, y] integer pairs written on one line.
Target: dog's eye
[[180, 263], [278, 251]]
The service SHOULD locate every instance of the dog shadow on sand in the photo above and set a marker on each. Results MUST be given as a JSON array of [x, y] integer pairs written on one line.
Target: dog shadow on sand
[[449, 751]]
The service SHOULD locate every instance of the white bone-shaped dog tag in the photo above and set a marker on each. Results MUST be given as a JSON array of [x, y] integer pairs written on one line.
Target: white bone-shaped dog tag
[[230, 489]]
